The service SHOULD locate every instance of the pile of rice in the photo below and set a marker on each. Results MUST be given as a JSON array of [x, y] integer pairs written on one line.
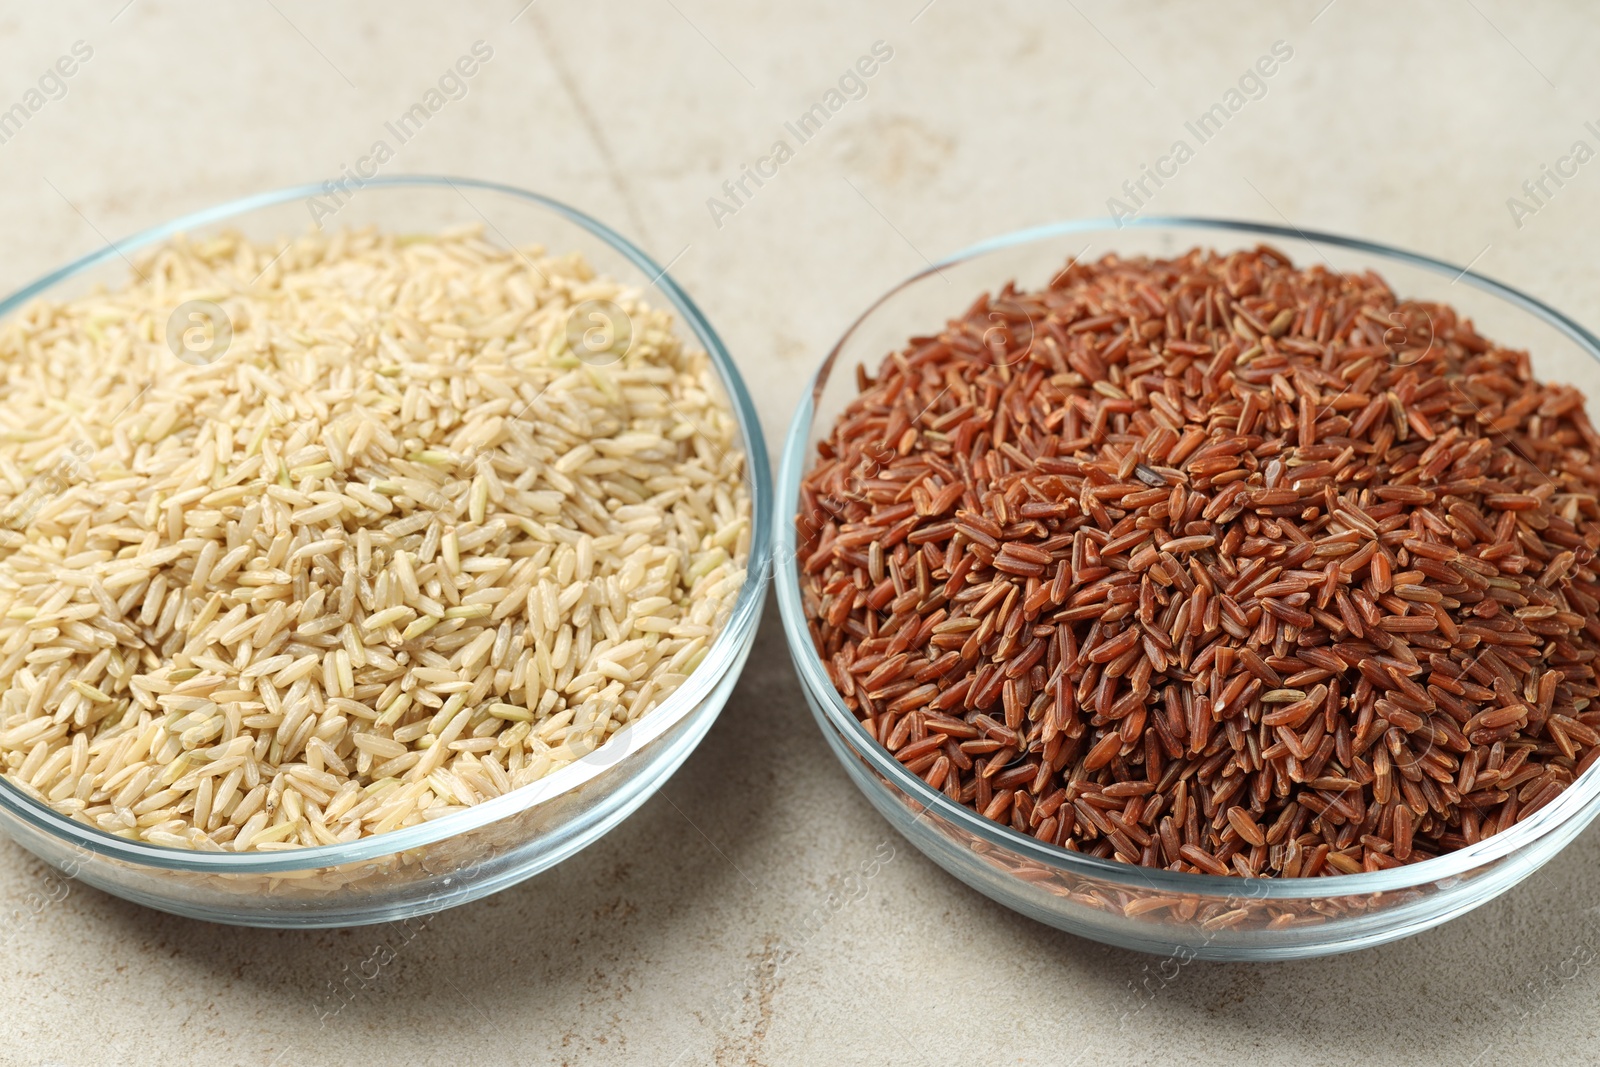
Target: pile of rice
[[397, 551]]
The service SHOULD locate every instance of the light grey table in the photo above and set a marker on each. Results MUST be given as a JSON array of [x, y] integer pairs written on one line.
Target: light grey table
[[685, 935]]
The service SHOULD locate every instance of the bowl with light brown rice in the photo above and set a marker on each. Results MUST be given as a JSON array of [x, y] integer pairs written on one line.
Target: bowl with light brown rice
[[362, 552]]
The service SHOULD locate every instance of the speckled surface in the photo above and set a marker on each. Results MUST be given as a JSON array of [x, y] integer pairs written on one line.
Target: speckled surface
[[678, 938]]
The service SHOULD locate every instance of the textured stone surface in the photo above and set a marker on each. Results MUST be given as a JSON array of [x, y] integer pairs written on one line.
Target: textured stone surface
[[1411, 127]]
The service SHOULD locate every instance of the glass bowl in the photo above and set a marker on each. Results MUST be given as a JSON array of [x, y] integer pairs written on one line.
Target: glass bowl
[[471, 853], [1186, 916]]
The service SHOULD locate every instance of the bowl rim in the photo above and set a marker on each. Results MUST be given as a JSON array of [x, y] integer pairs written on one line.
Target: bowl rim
[[723, 652], [1579, 800]]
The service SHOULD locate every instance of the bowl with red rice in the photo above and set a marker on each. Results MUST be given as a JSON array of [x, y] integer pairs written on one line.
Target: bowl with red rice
[[1202, 587]]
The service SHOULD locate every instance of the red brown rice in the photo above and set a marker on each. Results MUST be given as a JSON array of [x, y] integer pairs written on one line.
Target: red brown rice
[[1215, 564]]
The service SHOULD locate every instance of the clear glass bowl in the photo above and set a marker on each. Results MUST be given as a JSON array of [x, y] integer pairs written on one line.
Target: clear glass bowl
[[471, 853], [1187, 916]]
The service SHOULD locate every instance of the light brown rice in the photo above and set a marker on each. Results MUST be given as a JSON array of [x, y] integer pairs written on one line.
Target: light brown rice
[[398, 551]]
